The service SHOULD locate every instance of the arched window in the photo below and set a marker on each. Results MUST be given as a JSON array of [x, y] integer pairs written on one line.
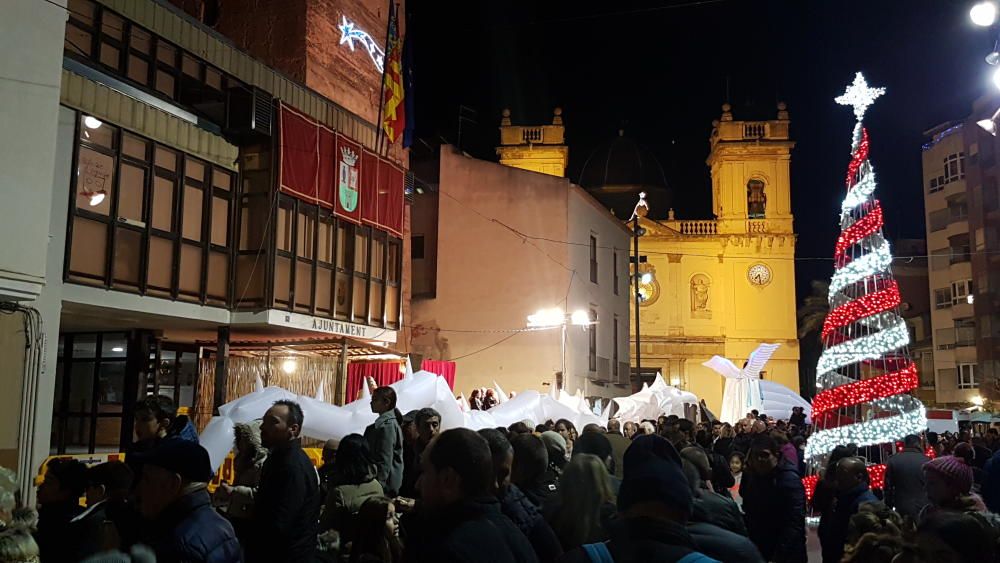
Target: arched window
[[756, 199]]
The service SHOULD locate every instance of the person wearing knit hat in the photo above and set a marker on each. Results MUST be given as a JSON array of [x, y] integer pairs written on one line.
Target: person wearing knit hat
[[556, 446], [948, 482], [654, 503]]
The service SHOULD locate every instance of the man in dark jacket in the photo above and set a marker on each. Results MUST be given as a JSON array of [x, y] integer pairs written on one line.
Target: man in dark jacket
[[654, 502], [111, 518], [774, 501], [173, 496], [514, 505], [385, 441], [619, 443], [904, 479], [58, 504], [530, 470], [458, 519], [287, 503], [852, 490]]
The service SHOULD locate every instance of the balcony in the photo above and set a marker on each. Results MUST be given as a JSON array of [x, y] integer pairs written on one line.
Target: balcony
[[775, 130], [696, 227], [532, 135]]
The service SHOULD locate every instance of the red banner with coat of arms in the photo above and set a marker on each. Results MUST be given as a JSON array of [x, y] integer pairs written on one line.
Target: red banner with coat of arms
[[320, 166], [347, 197]]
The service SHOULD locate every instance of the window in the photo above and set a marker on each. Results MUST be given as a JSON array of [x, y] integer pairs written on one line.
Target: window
[[614, 355], [89, 393], [960, 291], [592, 332], [954, 167], [148, 219], [967, 376], [965, 332], [938, 220], [942, 298], [756, 199], [332, 268], [593, 259], [417, 247], [119, 47], [958, 210], [959, 248], [934, 186], [614, 268]]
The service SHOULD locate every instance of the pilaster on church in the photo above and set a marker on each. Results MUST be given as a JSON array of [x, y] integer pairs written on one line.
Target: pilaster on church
[[538, 148]]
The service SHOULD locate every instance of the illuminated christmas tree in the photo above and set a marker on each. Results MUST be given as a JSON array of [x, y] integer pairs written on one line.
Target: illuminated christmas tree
[[865, 374]]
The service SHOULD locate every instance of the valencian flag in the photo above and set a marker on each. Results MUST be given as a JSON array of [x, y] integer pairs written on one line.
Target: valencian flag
[[394, 112]]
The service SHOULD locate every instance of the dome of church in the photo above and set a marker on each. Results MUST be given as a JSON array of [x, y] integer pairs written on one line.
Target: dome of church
[[616, 172]]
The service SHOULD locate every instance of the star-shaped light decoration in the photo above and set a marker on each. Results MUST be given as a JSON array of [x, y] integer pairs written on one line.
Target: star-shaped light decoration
[[859, 95]]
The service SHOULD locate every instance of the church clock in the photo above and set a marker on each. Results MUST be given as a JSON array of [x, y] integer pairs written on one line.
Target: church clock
[[759, 275]]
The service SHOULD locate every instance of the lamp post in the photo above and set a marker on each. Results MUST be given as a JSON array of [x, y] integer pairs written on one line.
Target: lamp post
[[637, 232], [556, 317]]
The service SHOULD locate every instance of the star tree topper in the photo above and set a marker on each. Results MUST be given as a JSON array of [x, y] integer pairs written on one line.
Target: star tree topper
[[859, 95]]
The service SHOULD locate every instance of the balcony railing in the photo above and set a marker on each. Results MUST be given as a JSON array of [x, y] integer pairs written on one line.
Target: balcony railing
[[754, 129], [757, 226], [698, 227]]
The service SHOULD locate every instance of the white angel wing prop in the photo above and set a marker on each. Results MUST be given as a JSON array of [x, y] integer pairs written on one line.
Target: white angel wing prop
[[758, 359], [723, 367]]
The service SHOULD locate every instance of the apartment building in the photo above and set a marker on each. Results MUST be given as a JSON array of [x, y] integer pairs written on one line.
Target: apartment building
[[181, 217], [957, 371]]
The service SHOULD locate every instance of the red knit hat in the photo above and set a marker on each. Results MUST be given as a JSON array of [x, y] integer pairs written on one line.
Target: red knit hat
[[954, 469]]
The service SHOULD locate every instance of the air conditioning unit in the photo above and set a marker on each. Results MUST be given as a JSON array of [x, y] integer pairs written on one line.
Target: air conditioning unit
[[251, 114]]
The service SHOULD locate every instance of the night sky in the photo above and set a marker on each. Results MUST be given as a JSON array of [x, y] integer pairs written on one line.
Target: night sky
[[662, 74]]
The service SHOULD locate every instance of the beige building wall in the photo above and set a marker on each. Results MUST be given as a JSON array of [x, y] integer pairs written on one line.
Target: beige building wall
[[490, 276], [944, 192]]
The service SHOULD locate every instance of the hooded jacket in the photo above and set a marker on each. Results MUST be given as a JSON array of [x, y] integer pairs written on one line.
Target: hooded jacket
[[775, 508]]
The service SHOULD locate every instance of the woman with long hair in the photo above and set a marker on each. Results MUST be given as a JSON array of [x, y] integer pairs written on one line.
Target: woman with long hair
[[377, 539], [584, 503], [352, 483], [567, 430]]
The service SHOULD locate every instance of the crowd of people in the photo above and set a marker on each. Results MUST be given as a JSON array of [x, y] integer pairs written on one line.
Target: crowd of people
[[655, 490]]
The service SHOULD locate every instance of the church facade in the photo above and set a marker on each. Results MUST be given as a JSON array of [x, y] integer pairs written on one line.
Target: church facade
[[721, 286], [716, 286]]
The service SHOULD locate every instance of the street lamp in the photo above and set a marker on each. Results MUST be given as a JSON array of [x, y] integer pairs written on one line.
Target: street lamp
[[641, 208], [555, 317], [984, 14]]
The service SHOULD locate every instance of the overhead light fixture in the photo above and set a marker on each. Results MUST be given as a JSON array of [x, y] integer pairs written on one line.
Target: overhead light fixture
[[970, 299], [996, 78], [984, 14], [289, 366], [990, 124], [95, 198], [646, 278], [547, 318], [117, 349], [994, 57], [580, 318], [91, 122]]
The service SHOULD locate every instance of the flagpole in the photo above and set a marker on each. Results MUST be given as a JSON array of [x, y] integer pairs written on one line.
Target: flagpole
[[379, 133]]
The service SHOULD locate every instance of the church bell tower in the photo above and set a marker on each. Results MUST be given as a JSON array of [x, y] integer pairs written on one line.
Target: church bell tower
[[750, 162]]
